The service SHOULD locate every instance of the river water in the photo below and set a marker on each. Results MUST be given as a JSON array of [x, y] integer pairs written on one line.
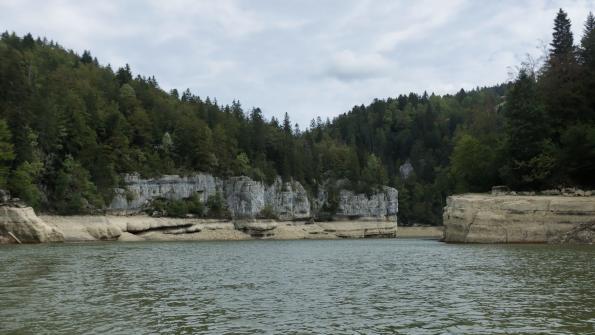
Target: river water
[[392, 286]]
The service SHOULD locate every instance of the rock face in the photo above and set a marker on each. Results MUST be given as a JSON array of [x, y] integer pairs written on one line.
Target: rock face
[[83, 228], [26, 226], [354, 215], [383, 205], [146, 228], [247, 198], [482, 218], [139, 192]]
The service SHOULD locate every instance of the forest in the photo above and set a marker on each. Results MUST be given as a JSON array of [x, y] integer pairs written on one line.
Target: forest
[[70, 127]]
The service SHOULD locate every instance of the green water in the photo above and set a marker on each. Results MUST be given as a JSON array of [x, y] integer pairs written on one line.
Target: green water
[[297, 287]]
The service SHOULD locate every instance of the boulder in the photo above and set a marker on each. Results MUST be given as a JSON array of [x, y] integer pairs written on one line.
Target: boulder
[[256, 228], [25, 225], [84, 228], [360, 229], [482, 218]]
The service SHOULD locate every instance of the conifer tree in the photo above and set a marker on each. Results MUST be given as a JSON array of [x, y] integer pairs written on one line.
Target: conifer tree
[[527, 131], [563, 42], [560, 83], [587, 57]]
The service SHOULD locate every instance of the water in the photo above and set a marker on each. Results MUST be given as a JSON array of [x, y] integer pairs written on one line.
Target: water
[[297, 287]]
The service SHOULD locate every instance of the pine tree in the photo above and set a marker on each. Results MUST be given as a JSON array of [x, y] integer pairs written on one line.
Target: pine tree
[[587, 51], [562, 43], [527, 131], [287, 124], [587, 57], [560, 81], [124, 75], [6, 152], [86, 57]]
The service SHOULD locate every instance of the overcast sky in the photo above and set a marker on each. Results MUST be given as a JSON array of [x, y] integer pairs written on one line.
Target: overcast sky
[[307, 57]]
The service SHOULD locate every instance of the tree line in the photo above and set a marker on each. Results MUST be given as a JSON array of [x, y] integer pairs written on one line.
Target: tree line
[[70, 127]]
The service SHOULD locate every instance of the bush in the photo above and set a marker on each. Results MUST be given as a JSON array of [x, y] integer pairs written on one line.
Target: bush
[[23, 183], [267, 213], [75, 193], [195, 206], [176, 208], [217, 207]]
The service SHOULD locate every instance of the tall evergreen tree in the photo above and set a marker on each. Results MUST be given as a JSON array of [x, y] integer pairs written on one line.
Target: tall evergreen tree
[[527, 131], [6, 152], [560, 81], [587, 56], [587, 50], [563, 42]]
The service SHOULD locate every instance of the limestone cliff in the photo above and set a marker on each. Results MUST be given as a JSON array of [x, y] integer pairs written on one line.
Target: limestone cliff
[[247, 198], [383, 204], [23, 224], [483, 218]]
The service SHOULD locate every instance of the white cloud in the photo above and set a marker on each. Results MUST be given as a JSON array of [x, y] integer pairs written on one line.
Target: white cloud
[[347, 65], [306, 57]]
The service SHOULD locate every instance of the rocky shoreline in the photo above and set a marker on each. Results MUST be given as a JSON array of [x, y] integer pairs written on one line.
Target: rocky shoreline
[[22, 223], [144, 228], [502, 217], [333, 211]]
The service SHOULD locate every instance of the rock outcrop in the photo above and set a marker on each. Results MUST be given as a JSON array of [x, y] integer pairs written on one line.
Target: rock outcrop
[[483, 218], [22, 223], [247, 199], [251, 204], [83, 228], [381, 205], [146, 228], [140, 192]]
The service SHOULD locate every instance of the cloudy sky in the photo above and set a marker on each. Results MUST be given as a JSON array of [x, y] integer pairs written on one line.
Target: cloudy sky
[[306, 57]]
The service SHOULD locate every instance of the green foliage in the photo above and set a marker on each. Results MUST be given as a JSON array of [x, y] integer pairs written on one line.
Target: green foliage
[[242, 164], [217, 208], [578, 153], [6, 152], [23, 183], [177, 208], [74, 192], [89, 124], [527, 129], [473, 165], [373, 174], [562, 41], [267, 213], [195, 206]]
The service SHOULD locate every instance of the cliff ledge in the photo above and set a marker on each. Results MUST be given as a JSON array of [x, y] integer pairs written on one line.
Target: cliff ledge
[[485, 218]]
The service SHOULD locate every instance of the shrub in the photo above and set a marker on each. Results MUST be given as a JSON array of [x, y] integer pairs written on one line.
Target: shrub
[[195, 206], [217, 207], [176, 208], [267, 213]]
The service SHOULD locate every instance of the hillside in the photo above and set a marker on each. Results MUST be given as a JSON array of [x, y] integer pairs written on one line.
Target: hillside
[[71, 127]]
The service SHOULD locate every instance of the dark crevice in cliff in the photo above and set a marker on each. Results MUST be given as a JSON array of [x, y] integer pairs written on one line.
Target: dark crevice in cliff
[[162, 229]]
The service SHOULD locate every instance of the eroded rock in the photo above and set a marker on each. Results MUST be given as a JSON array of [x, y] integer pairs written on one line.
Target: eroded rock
[[247, 199], [482, 218], [26, 226]]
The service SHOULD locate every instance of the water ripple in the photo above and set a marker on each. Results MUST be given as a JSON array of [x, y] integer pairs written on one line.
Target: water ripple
[[296, 287]]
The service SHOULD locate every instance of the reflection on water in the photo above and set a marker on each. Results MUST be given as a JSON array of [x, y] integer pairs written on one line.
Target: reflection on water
[[329, 287]]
